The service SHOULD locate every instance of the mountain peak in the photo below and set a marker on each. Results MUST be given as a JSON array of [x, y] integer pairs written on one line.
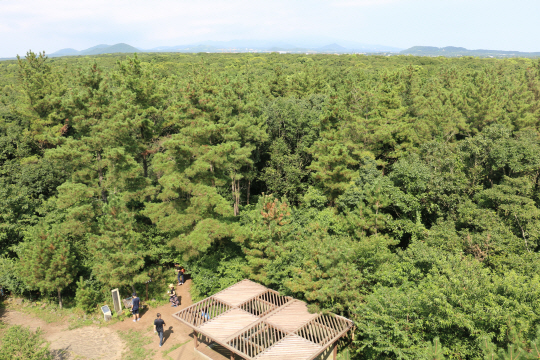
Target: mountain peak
[[333, 47], [98, 50]]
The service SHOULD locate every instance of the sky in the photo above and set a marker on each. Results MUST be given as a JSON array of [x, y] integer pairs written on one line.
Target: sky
[[51, 25]]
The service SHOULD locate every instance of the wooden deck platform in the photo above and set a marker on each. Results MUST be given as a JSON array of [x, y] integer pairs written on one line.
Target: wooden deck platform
[[250, 321]]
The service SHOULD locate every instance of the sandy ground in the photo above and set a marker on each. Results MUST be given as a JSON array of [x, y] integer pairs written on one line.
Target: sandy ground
[[91, 342], [175, 333]]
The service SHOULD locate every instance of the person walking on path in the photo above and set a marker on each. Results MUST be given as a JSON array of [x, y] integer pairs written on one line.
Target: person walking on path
[[173, 299], [135, 307], [180, 274], [158, 328], [182, 270]]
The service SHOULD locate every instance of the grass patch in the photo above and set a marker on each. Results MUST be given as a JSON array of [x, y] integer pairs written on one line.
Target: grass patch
[[51, 313], [48, 312], [78, 323], [135, 343], [117, 317], [154, 303], [165, 353], [3, 328]]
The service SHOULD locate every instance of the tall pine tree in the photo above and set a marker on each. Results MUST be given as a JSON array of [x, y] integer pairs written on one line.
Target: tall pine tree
[[46, 259]]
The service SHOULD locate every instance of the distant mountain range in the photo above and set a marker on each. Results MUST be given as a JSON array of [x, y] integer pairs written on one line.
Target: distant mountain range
[[97, 50], [303, 47], [452, 51], [265, 45], [231, 46]]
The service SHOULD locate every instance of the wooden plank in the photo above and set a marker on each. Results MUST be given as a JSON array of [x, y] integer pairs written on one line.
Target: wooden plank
[[291, 348], [240, 293], [291, 317], [263, 319], [336, 338], [223, 326]]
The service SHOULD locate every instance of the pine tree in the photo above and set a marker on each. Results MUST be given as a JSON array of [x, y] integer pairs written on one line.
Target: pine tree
[[202, 167], [435, 350], [46, 259], [336, 153], [89, 105], [140, 103], [262, 236], [43, 88], [86, 296], [118, 249]]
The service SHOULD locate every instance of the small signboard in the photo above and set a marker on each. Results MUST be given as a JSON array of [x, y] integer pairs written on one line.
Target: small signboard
[[117, 302], [106, 313]]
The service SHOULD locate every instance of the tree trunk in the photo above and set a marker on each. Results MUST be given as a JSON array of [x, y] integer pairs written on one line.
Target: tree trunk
[[145, 173], [145, 166], [100, 173], [248, 190], [213, 179], [133, 287], [236, 196], [60, 299]]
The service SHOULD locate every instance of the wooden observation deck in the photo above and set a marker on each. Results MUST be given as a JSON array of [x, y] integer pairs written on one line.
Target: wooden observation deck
[[254, 322]]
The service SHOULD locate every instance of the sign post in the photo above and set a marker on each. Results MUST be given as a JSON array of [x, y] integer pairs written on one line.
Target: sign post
[[106, 313], [117, 301]]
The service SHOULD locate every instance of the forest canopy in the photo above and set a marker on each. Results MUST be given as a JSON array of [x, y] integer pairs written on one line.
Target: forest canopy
[[401, 192]]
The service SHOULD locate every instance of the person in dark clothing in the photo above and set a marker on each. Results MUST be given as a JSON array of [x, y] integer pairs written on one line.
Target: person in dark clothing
[[173, 299], [135, 307], [182, 271], [178, 273], [158, 327]]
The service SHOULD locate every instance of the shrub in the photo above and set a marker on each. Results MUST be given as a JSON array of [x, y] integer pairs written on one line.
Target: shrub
[[9, 278], [21, 343], [86, 296]]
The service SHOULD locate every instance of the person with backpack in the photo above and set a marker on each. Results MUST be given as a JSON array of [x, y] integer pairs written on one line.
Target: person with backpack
[[182, 271], [180, 274]]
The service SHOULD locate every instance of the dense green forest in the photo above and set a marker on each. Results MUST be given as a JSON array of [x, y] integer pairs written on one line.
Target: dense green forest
[[401, 192]]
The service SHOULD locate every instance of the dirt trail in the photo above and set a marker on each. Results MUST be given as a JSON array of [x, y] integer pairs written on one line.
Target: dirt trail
[[91, 342], [175, 333]]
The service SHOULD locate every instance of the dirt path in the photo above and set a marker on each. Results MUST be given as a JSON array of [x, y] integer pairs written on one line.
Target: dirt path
[[175, 333], [92, 342], [89, 342]]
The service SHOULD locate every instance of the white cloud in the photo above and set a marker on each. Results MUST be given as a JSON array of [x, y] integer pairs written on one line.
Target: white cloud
[[145, 20], [55, 24]]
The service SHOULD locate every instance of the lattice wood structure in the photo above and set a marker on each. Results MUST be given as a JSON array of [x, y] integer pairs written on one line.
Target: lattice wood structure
[[255, 322]]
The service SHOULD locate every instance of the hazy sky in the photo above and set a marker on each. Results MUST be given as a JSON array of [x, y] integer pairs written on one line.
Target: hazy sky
[[51, 25]]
